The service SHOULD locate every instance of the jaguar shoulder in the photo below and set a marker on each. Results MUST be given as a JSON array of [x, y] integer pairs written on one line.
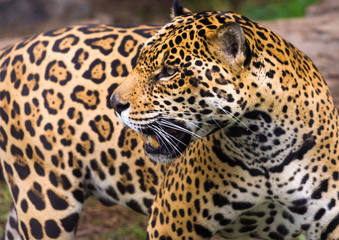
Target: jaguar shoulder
[[268, 165], [60, 140]]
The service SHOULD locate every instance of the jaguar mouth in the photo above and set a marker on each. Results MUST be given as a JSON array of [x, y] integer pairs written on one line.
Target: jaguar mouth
[[170, 139]]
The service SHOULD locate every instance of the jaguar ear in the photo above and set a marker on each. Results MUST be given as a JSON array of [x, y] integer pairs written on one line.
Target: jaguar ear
[[178, 10], [229, 44]]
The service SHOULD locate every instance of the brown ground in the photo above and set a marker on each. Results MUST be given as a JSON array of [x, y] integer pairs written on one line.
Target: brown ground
[[316, 35], [114, 223]]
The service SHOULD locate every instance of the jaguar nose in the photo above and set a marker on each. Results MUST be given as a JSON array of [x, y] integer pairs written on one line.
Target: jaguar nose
[[117, 105]]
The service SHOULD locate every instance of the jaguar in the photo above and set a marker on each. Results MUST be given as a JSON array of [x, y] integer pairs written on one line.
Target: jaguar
[[248, 125], [59, 139]]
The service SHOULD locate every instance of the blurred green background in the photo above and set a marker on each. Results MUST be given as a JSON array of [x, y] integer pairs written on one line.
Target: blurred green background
[[20, 17], [257, 9]]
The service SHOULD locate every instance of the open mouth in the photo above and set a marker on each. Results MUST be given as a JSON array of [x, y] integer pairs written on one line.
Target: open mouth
[[169, 139]]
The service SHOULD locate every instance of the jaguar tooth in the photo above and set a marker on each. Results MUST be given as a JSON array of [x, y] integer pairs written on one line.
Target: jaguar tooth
[[153, 142]]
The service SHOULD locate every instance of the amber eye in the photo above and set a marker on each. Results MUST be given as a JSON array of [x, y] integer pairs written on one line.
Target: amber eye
[[167, 73], [170, 71]]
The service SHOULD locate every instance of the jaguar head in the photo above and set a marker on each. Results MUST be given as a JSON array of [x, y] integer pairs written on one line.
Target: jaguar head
[[186, 83]]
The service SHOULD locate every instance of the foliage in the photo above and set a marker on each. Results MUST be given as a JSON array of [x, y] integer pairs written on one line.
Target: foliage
[[301, 237], [5, 204], [261, 10], [255, 9]]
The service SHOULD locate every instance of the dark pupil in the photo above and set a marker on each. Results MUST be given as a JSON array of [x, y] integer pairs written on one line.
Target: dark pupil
[[166, 72]]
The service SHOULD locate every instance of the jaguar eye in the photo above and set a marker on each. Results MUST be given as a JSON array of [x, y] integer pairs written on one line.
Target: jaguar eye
[[166, 73], [170, 71]]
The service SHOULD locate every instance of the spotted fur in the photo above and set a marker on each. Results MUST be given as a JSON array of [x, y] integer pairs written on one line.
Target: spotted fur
[[268, 165], [60, 140]]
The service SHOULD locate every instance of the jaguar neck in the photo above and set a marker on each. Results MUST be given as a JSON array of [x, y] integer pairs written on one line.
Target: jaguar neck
[[262, 144]]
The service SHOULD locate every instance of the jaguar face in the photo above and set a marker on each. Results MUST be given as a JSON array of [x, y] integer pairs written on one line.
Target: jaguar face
[[186, 83]]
